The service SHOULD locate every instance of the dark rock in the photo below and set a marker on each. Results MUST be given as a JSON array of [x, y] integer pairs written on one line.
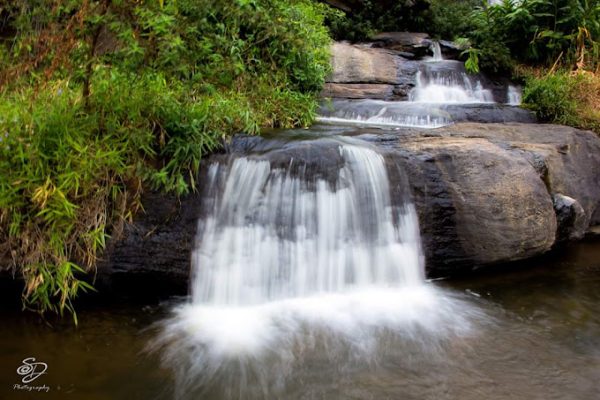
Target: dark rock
[[485, 194], [490, 113], [478, 204], [152, 255], [407, 42], [450, 50], [570, 218]]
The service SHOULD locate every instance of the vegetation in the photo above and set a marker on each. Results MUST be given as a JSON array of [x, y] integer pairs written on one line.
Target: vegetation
[[565, 98], [378, 16], [101, 98], [537, 32]]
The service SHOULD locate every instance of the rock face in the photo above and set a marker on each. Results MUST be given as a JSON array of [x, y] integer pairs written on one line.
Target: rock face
[[490, 193], [485, 194], [152, 256], [362, 64], [360, 72]]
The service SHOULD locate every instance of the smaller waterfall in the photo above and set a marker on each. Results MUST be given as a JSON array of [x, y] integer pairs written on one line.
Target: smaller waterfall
[[513, 95], [448, 86], [436, 49]]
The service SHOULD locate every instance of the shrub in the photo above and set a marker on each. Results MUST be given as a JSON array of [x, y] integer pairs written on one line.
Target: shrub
[[538, 32], [101, 99], [565, 98], [449, 19], [378, 16]]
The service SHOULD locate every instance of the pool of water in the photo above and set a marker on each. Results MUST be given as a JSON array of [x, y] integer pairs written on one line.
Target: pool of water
[[536, 336]]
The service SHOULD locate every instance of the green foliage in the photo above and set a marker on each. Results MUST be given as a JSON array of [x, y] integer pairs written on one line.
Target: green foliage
[[378, 16], [551, 97], [538, 32], [449, 19], [102, 98], [565, 98]]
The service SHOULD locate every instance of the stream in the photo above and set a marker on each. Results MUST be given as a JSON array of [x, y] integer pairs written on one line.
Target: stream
[[308, 282], [540, 340]]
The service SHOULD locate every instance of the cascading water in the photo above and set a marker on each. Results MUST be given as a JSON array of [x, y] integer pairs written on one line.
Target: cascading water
[[291, 260], [385, 114], [439, 83], [273, 236], [436, 49], [448, 87], [447, 82], [513, 95]]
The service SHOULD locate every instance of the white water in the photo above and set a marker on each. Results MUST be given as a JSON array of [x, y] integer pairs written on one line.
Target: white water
[[437, 82], [436, 49], [271, 236], [449, 87], [443, 86], [389, 114], [286, 260], [513, 95]]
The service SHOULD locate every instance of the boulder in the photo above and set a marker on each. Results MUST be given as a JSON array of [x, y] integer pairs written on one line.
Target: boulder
[[478, 203], [410, 42], [485, 194], [570, 218], [362, 64]]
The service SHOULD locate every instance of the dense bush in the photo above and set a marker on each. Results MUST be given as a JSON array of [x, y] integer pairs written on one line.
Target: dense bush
[[539, 32], [102, 98], [565, 98], [374, 16], [449, 19]]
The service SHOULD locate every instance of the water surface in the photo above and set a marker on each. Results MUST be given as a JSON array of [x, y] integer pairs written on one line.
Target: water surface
[[540, 340]]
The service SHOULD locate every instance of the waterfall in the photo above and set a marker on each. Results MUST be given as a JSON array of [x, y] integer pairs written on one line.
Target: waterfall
[[448, 85], [513, 95], [291, 260], [436, 49], [273, 236]]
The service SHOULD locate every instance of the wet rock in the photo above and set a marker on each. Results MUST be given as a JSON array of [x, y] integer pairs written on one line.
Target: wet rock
[[478, 203], [485, 194], [359, 91], [152, 255], [489, 113], [570, 218], [450, 50]]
